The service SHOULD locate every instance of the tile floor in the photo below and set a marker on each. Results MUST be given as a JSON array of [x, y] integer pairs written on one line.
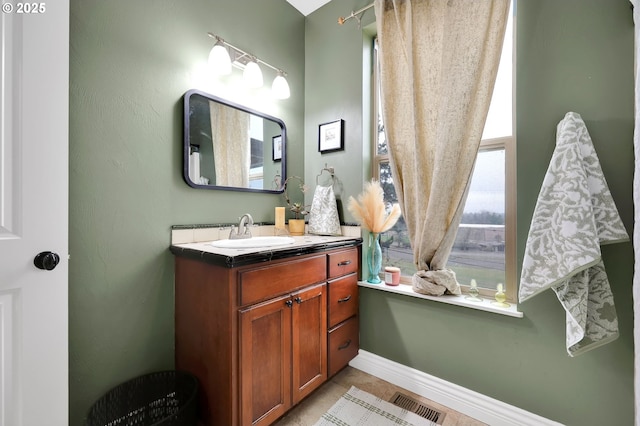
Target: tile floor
[[312, 408]]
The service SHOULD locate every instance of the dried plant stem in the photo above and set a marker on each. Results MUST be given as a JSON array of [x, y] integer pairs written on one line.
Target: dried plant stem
[[369, 209]]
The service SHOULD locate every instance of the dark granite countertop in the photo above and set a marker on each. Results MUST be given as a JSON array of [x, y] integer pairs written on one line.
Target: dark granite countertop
[[232, 258]]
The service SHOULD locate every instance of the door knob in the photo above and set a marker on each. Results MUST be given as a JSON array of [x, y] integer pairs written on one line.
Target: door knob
[[46, 260]]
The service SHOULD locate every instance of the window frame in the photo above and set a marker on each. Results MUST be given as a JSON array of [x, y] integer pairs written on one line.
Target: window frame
[[507, 143]]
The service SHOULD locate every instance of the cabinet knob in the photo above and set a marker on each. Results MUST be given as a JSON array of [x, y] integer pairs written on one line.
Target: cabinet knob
[[344, 299], [298, 300], [289, 303]]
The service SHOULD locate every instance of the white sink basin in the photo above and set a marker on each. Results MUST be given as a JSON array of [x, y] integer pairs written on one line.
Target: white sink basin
[[253, 242]]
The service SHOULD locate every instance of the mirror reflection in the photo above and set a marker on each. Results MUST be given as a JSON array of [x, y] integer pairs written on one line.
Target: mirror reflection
[[231, 147]]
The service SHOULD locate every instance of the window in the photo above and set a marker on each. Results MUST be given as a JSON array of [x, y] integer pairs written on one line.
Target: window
[[484, 248]]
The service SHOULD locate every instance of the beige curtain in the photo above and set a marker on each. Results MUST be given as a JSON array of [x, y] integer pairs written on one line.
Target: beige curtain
[[438, 64], [231, 145]]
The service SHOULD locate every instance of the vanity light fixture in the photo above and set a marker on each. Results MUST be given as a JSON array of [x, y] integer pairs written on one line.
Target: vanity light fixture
[[252, 74], [223, 55], [280, 87], [219, 59]]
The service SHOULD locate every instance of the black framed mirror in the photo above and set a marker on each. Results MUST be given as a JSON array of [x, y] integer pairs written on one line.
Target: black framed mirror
[[231, 147]]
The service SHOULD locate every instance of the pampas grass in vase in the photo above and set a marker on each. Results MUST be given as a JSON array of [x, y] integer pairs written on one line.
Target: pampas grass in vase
[[369, 210]]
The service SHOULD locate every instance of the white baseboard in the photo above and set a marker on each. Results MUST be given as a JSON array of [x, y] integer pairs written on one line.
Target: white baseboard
[[458, 398]]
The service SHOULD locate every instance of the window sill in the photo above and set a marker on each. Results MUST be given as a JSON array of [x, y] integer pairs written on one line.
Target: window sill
[[485, 305]]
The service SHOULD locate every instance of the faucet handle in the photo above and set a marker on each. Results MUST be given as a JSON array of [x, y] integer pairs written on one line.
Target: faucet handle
[[243, 230]]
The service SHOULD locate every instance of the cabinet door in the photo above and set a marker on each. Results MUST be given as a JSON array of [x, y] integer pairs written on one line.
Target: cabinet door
[[265, 360], [309, 340]]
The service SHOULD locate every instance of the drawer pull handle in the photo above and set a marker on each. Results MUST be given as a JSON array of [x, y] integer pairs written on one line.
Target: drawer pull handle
[[345, 299], [344, 263], [344, 345]]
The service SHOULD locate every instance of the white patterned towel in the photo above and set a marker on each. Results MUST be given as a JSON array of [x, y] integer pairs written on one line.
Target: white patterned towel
[[323, 217], [574, 215]]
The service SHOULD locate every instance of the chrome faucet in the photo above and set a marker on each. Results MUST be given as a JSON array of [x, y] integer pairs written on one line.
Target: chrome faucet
[[243, 228]]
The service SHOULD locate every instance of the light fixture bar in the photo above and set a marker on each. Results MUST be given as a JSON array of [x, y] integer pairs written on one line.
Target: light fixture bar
[[237, 49]]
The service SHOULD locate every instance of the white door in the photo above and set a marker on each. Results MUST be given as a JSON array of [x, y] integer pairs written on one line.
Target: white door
[[34, 91]]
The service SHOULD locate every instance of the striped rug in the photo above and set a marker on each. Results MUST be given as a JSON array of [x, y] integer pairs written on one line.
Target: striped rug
[[357, 407]]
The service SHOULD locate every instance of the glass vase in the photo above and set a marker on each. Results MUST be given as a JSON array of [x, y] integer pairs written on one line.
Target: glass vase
[[473, 292], [500, 297], [374, 258]]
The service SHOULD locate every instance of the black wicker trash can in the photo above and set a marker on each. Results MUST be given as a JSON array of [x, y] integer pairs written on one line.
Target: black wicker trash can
[[166, 398]]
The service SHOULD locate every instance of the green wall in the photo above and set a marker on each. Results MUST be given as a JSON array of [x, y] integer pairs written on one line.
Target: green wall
[[337, 86], [130, 65], [131, 62], [572, 55]]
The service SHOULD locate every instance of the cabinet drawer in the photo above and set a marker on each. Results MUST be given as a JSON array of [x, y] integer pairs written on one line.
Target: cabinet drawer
[[343, 345], [257, 284], [343, 262], [343, 299]]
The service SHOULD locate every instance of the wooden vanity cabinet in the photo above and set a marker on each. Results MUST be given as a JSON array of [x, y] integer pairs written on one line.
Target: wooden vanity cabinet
[[257, 337]]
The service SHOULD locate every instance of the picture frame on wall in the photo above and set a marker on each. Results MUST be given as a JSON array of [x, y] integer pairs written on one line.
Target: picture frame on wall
[[331, 136], [276, 147]]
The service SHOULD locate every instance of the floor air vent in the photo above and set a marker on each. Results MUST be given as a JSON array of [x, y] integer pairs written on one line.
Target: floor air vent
[[410, 404]]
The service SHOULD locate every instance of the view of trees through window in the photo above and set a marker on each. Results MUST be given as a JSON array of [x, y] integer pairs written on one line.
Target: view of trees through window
[[478, 251]]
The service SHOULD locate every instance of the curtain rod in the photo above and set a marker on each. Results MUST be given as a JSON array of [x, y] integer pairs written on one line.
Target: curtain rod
[[342, 19]]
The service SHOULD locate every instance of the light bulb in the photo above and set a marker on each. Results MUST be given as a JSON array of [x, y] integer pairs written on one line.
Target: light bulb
[[252, 75], [219, 60], [280, 87]]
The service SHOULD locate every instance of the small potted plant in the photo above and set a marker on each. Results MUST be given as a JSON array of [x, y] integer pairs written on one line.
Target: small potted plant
[[299, 210]]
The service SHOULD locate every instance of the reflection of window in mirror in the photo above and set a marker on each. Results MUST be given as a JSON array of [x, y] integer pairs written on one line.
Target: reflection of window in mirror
[[256, 139], [485, 244]]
